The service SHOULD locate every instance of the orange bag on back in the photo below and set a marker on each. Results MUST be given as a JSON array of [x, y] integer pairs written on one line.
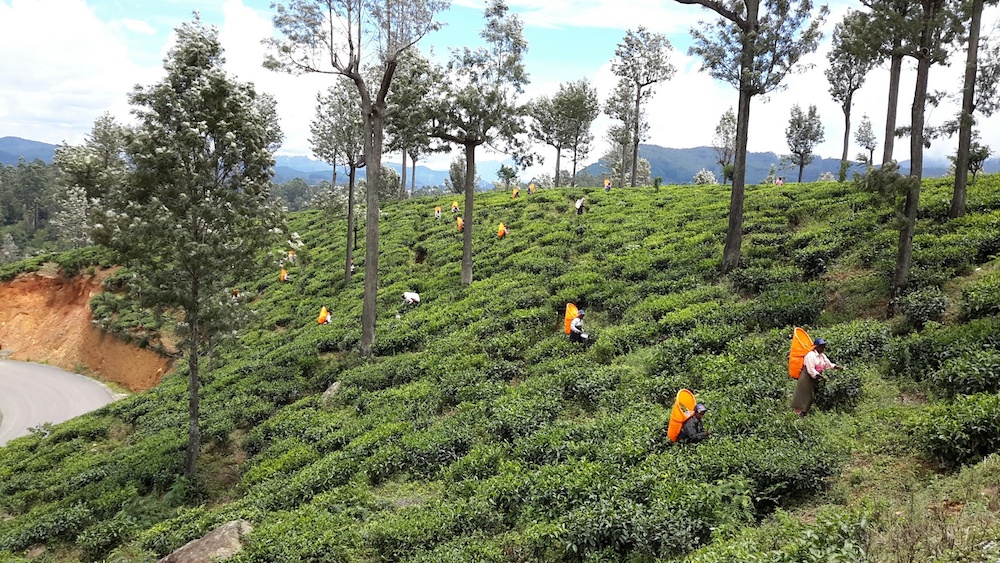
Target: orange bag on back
[[571, 312], [801, 345], [683, 410]]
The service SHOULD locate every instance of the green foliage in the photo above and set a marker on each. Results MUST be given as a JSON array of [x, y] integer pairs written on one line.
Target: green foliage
[[479, 432], [959, 432], [981, 298], [923, 305]]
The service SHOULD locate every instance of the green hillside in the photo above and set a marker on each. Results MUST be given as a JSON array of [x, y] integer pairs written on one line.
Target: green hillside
[[480, 433]]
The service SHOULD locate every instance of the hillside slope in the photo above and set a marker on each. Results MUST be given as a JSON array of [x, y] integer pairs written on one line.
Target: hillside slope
[[47, 318], [479, 433]]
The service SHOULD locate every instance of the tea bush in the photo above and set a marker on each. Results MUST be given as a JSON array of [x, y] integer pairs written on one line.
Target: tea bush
[[479, 432], [959, 432], [981, 298], [923, 305]]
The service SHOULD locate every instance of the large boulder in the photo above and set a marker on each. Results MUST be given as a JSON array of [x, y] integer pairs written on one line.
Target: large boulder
[[221, 543]]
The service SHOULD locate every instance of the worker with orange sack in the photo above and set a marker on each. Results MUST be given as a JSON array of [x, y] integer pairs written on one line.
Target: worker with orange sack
[[693, 430], [813, 366]]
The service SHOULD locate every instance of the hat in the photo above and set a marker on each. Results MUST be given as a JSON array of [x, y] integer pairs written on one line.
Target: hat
[[700, 408], [819, 342], [579, 313]]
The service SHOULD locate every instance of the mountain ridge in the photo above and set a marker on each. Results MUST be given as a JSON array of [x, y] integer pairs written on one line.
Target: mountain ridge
[[672, 165]]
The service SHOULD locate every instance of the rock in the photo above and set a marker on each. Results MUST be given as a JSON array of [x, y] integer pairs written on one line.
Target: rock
[[221, 543]]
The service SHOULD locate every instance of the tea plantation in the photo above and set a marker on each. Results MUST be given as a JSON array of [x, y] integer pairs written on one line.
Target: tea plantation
[[480, 433]]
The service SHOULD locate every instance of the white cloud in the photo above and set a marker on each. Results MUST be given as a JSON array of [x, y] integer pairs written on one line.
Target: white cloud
[[135, 26], [62, 68]]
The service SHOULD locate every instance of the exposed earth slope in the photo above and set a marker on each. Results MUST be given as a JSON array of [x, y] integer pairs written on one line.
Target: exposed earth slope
[[46, 318]]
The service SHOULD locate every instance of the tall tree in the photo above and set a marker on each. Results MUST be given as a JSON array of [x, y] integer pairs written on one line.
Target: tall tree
[[196, 214], [642, 59], [846, 74], [865, 137], [577, 107], [406, 128], [935, 26], [477, 104], [337, 134], [619, 106], [966, 119], [724, 143], [879, 34], [334, 37], [804, 132], [752, 46], [546, 127]]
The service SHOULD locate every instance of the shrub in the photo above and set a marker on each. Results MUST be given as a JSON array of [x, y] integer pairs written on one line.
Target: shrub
[[981, 298], [841, 391], [923, 305], [977, 371], [960, 432]]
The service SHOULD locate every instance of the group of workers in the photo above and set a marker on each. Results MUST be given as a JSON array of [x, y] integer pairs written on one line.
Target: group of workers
[[807, 363]]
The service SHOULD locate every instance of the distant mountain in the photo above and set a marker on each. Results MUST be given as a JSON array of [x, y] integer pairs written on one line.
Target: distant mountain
[[14, 148], [678, 166], [314, 171]]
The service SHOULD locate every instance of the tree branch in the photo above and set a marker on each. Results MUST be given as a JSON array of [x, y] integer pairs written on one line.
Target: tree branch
[[721, 9]]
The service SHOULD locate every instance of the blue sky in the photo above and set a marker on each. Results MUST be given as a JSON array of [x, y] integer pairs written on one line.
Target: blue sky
[[64, 62]]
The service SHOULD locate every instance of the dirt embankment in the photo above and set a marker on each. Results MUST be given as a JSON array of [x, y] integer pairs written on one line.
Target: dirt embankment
[[47, 319]]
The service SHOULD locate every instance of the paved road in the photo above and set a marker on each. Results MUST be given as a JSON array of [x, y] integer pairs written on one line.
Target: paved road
[[33, 394]]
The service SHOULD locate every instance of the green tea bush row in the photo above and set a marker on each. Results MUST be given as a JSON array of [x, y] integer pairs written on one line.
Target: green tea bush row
[[960, 432]]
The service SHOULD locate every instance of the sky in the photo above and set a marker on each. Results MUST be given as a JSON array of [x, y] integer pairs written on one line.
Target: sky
[[63, 63]]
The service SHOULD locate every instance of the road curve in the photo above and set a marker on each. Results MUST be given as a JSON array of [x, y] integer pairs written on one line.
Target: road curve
[[33, 394]]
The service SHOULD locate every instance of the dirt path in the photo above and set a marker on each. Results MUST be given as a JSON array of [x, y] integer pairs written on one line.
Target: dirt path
[[47, 319]]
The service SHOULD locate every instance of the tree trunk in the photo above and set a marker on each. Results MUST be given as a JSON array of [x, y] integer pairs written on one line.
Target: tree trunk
[[558, 164], [734, 234], [842, 176], [334, 172], [802, 167], [904, 252], [402, 178], [413, 176], [635, 135], [621, 181], [895, 67], [373, 162], [470, 183], [573, 177], [194, 431], [349, 260], [965, 125]]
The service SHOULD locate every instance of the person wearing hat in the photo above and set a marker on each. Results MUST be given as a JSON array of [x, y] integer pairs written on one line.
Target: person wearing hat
[[813, 366], [693, 430], [576, 333]]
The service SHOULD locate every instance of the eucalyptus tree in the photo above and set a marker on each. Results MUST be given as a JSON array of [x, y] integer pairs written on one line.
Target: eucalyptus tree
[[545, 127], [564, 120], [577, 107], [724, 143], [337, 134], [932, 30], [966, 119], [752, 46], [804, 132], [846, 74], [619, 107], [195, 216], [642, 59], [881, 34], [335, 37], [865, 137], [405, 128], [477, 102]]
